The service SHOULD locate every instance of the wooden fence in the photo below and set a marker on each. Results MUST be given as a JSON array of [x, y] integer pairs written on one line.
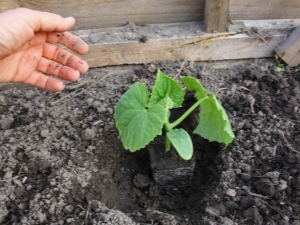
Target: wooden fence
[[96, 17]]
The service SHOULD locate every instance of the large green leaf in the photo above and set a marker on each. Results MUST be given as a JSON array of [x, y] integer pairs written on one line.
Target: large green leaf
[[166, 87], [182, 142], [214, 123], [194, 85], [138, 125]]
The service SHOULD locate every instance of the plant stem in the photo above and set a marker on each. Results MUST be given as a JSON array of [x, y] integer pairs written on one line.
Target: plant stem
[[188, 112], [168, 126], [167, 144]]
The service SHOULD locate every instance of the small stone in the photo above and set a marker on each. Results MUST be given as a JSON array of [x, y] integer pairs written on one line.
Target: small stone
[[226, 221], [212, 211], [110, 110], [218, 210], [70, 220], [3, 100], [42, 217], [8, 175], [104, 218], [44, 133], [282, 185], [152, 68], [88, 134], [246, 168], [272, 175], [68, 209], [231, 192], [6, 123]]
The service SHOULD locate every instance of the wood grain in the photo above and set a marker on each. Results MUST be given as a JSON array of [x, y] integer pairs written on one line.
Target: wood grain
[[289, 49], [216, 15], [191, 46], [264, 9], [6, 5], [95, 14]]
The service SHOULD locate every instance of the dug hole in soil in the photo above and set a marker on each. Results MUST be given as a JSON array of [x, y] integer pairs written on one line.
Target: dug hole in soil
[[62, 161]]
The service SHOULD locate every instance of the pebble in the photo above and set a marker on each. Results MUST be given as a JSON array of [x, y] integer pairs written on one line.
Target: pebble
[[226, 221], [231, 192], [68, 209], [152, 68], [88, 134], [217, 210], [104, 218], [44, 133], [6, 123], [3, 101], [246, 168]]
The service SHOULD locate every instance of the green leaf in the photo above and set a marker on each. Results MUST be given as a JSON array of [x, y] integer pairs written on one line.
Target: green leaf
[[166, 87], [182, 142], [194, 85], [278, 69], [138, 125], [214, 123]]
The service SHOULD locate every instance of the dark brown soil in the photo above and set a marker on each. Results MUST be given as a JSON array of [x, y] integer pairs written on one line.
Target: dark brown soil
[[62, 161]]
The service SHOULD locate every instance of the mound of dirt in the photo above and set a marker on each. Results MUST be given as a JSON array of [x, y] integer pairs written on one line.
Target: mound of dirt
[[62, 161]]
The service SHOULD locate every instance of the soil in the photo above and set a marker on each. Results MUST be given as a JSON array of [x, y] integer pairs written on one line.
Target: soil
[[62, 161]]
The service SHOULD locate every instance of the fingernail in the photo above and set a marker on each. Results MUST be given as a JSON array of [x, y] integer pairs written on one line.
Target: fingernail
[[70, 19]]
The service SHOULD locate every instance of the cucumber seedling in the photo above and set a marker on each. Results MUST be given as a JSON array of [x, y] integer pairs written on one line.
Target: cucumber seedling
[[140, 117]]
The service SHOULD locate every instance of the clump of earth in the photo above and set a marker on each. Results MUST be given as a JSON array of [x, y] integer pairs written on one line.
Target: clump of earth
[[62, 162]]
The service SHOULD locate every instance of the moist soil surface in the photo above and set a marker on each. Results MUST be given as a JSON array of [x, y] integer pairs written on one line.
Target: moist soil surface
[[62, 161]]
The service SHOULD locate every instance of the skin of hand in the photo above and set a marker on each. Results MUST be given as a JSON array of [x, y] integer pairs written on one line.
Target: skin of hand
[[30, 48]]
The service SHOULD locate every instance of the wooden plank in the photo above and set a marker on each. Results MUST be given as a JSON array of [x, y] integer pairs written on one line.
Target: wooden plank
[[180, 41], [96, 14], [8, 4], [216, 15], [264, 9], [289, 49]]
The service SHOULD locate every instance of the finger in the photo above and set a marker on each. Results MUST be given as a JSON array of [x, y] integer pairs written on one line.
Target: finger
[[59, 55], [40, 80], [69, 40], [48, 22], [50, 67]]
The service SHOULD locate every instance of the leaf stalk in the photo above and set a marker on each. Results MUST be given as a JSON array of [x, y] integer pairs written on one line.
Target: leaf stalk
[[187, 113]]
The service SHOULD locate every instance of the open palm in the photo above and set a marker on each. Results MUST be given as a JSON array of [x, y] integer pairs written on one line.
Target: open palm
[[29, 49]]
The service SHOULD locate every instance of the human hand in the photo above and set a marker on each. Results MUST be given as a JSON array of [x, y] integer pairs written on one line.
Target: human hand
[[29, 50]]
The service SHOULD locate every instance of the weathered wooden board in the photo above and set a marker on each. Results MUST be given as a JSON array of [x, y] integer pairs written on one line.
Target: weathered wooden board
[[289, 49], [264, 9], [185, 44], [6, 5], [107, 13], [216, 15]]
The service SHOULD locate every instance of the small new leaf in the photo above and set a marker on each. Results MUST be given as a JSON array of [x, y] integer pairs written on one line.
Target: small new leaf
[[138, 125], [166, 87]]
